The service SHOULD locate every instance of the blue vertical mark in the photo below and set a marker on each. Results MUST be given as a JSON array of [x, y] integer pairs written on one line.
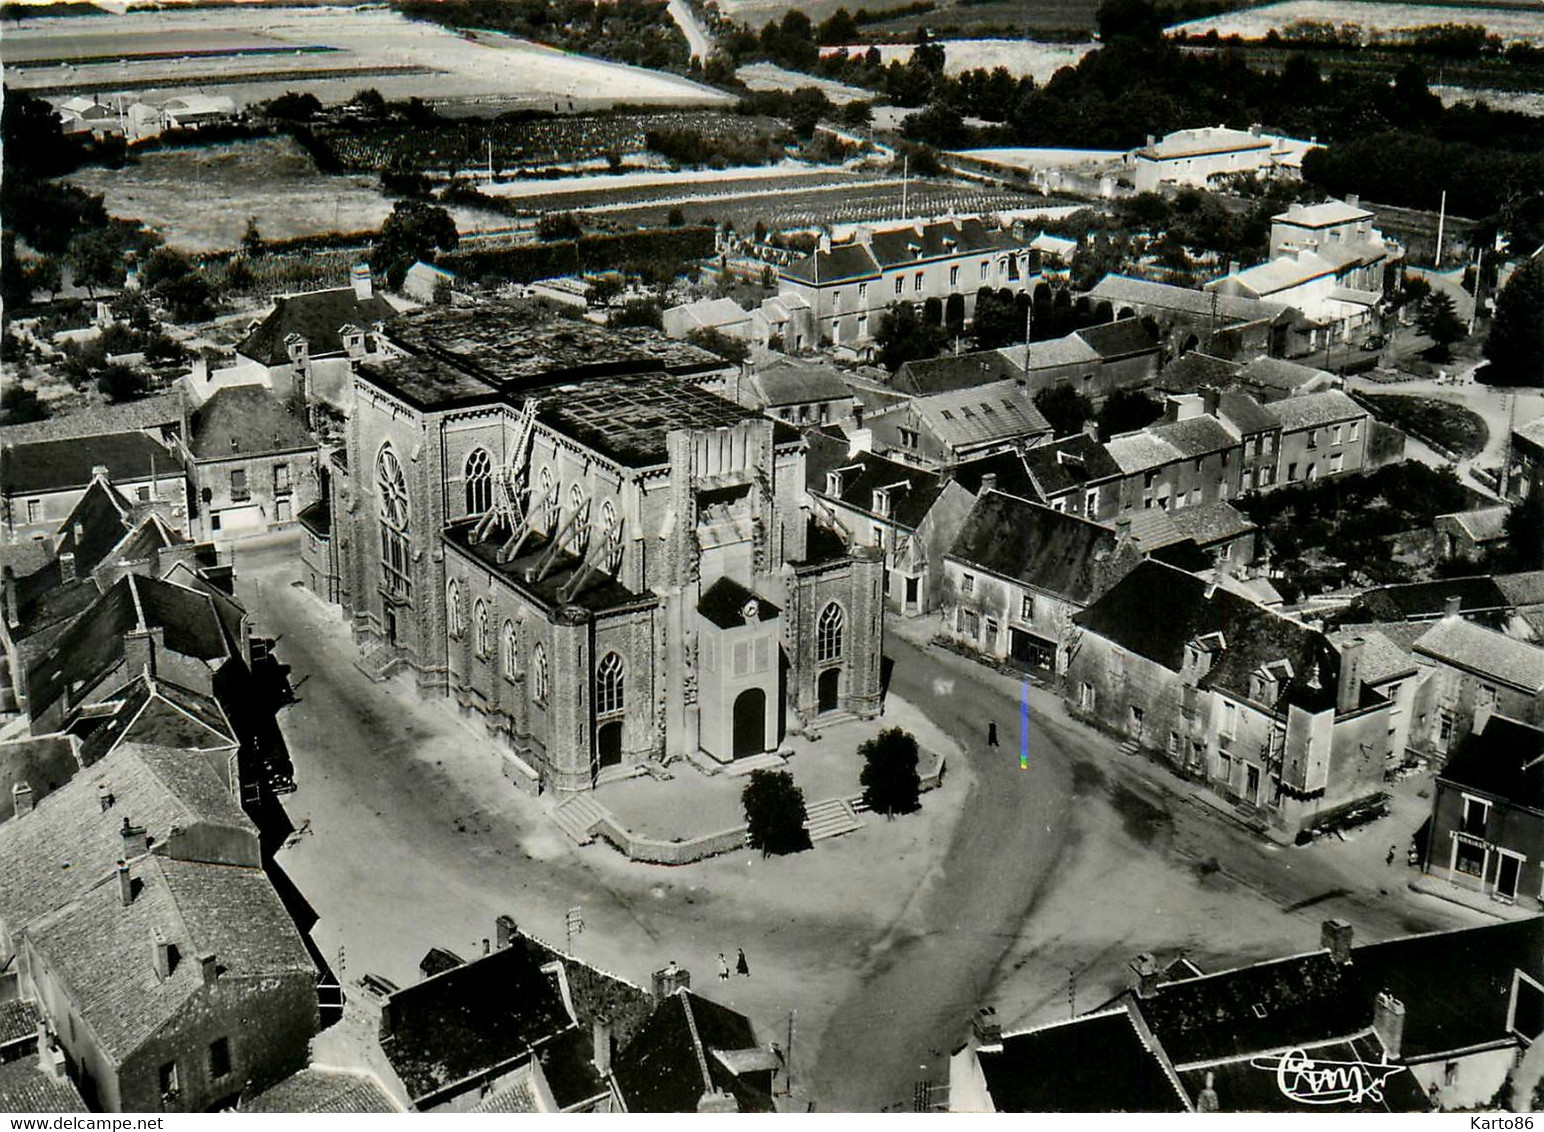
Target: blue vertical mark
[[1024, 725]]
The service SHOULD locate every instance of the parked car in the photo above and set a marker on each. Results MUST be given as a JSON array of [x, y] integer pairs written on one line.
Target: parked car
[[1374, 342]]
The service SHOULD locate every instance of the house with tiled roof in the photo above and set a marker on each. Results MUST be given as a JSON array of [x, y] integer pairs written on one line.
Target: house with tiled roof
[[1473, 672], [1201, 156], [1187, 458], [310, 341], [912, 514], [1272, 379], [331, 1091], [724, 316], [1525, 461], [251, 462], [801, 393], [1267, 711], [1223, 325], [1074, 474], [37, 1079], [1017, 573], [1469, 535], [944, 429], [42, 481], [1320, 434], [145, 929], [849, 285], [694, 1055]]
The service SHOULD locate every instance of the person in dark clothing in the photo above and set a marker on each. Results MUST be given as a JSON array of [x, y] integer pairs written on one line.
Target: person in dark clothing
[[991, 733], [741, 967]]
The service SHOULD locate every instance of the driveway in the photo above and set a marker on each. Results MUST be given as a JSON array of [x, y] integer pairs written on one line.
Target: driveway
[[698, 41]]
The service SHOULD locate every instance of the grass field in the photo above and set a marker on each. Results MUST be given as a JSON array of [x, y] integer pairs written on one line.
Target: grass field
[[254, 53], [199, 199], [1460, 430], [1521, 22]]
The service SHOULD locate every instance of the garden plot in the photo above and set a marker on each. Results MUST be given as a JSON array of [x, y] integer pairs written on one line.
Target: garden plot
[[573, 192], [329, 52], [1019, 56], [200, 199], [1520, 23]]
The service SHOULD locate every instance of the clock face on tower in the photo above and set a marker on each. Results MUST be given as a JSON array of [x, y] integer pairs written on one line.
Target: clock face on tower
[[751, 612]]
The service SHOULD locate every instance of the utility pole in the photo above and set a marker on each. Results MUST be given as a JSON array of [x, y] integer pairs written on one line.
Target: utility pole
[[1479, 266], [1072, 992], [1504, 480], [905, 176], [1441, 223], [490, 161], [1029, 322]]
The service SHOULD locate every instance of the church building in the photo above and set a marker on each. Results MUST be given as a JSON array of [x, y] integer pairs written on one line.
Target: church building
[[604, 561]]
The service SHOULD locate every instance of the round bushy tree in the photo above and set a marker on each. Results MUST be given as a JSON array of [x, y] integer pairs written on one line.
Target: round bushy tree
[[1515, 347], [774, 811], [889, 778]]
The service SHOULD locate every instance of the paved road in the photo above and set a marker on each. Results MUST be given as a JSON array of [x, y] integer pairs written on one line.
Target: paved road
[[1022, 828], [697, 37]]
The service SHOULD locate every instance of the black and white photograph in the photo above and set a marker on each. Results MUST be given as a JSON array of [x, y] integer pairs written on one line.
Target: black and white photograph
[[759, 556]]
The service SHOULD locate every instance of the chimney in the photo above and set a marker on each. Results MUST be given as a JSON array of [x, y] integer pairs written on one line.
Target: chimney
[[67, 566], [1146, 969], [104, 796], [50, 1056], [209, 967], [825, 242], [100, 472], [12, 617], [21, 799], [136, 840], [1388, 1022], [359, 276], [670, 979], [602, 1046], [1254, 129], [1335, 937], [985, 1027], [1348, 692], [864, 234], [1211, 398], [717, 1101], [1354, 200], [988, 482], [1452, 606], [1122, 528], [388, 1019], [1207, 1101], [161, 953], [125, 884], [78, 532], [487, 946], [140, 649], [504, 931], [1152, 140], [1233, 267]]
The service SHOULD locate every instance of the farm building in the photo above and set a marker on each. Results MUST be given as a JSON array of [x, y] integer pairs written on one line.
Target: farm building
[[1197, 157]]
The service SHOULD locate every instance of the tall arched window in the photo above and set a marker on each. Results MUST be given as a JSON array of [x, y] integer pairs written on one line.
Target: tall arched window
[[395, 544], [539, 674], [828, 633], [479, 482], [549, 499], [483, 638], [611, 532], [455, 615], [511, 650], [576, 506], [610, 680]]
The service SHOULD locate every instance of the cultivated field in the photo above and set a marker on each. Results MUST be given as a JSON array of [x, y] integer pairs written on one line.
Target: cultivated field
[[199, 199], [1510, 23], [256, 53], [1019, 15], [769, 76], [1020, 56], [563, 192]]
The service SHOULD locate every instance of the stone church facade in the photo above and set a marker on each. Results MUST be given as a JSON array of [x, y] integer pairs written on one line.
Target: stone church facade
[[607, 568]]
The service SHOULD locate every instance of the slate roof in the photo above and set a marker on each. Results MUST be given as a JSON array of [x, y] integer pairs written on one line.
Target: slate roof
[[68, 844], [1242, 1086], [1069, 463], [317, 518], [1193, 370], [99, 949], [317, 317], [1279, 377], [324, 1090], [668, 1066], [155, 713], [722, 602], [42, 466], [1383, 658], [1275, 1005], [1279, 274], [244, 420], [1118, 289], [1010, 468], [842, 263], [26, 1088], [912, 491], [93, 644], [926, 376], [1485, 652], [1203, 140], [1095, 1063], [1532, 432], [103, 516], [44, 600], [1506, 760], [982, 415], [1123, 338], [479, 1016], [1314, 409], [1156, 610], [1164, 443], [43, 762], [1030, 543], [894, 247], [599, 591], [1244, 413], [789, 382], [1323, 214], [1412, 601]]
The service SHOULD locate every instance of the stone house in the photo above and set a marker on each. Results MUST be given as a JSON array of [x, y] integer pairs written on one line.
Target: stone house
[[1184, 460], [795, 392], [251, 463], [1262, 708], [1470, 673], [1075, 475], [946, 429], [1487, 814], [1223, 325], [1470, 535], [45, 479], [1321, 434], [1525, 462], [168, 910], [540, 547]]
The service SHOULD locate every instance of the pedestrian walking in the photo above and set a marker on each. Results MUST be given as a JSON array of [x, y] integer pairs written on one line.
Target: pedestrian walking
[[1393, 851], [991, 733], [741, 967], [723, 967]]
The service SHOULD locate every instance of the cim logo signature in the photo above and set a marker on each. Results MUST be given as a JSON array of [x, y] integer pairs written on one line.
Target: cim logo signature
[[1309, 1081]]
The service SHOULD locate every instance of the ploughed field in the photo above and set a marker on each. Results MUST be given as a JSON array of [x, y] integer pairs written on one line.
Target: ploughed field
[[1519, 20], [252, 53]]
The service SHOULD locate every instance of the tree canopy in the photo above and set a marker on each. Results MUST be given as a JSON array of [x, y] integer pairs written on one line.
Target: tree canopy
[[774, 813], [1515, 347], [889, 777]]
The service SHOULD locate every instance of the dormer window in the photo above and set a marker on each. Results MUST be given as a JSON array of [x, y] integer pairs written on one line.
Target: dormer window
[[834, 483], [882, 502]]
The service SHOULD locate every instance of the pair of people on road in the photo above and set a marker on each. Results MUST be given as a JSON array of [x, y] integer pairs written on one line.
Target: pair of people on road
[[741, 967]]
